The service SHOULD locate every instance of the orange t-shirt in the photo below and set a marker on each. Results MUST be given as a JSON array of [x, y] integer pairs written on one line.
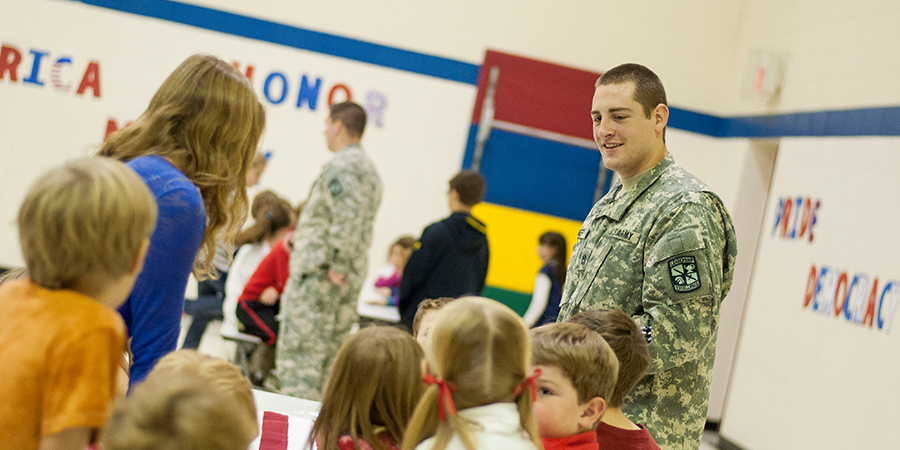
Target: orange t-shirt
[[59, 354]]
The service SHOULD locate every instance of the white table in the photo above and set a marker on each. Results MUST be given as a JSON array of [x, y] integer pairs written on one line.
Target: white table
[[301, 414]]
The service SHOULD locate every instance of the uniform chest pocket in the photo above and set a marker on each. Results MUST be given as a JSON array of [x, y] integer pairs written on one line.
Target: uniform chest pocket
[[586, 267]]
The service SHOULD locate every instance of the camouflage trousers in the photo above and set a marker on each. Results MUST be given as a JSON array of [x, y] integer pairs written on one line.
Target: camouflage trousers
[[316, 318], [672, 405]]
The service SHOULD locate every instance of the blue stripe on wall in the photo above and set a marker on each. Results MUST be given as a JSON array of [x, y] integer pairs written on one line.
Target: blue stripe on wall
[[537, 175], [329, 44], [854, 122], [857, 122]]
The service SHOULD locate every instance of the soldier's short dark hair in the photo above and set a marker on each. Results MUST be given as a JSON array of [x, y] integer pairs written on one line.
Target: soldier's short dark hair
[[648, 88], [626, 340], [470, 186], [351, 115]]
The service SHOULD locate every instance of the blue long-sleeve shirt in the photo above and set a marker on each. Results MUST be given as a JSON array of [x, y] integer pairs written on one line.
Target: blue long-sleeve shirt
[[153, 311]]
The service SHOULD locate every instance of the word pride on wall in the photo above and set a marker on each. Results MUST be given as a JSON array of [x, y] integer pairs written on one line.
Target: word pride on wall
[[795, 218], [30, 68]]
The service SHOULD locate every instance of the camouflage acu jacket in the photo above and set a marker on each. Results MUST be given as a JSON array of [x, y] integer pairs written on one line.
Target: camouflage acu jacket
[[335, 228], [663, 252]]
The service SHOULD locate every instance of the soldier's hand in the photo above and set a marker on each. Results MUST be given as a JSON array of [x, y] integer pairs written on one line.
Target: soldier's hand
[[336, 278]]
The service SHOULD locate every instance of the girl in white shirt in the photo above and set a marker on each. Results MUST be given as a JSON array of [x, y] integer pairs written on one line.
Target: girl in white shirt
[[548, 285], [480, 391]]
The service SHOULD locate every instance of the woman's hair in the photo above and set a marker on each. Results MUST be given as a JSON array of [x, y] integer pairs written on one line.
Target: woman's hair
[[13, 274], [207, 121], [190, 401], [376, 381], [557, 242], [482, 348], [271, 214]]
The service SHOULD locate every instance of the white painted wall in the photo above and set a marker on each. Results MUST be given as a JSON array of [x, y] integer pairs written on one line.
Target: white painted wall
[[688, 43], [842, 53], [804, 379], [417, 150]]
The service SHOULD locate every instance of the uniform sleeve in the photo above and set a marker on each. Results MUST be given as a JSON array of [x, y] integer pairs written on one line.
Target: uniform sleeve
[[539, 297], [81, 381], [348, 220], [314, 250], [420, 264], [153, 311], [683, 282]]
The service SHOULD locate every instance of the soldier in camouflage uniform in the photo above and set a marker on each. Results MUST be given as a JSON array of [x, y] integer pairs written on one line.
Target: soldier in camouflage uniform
[[659, 246], [330, 258]]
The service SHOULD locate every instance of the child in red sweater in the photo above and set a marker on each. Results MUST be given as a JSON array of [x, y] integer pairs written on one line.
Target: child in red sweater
[[371, 393], [623, 336], [577, 374], [258, 306]]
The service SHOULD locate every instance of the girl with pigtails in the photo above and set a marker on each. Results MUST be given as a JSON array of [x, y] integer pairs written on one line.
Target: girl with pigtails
[[480, 389]]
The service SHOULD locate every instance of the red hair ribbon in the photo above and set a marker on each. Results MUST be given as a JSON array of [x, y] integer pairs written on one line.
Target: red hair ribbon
[[445, 394], [530, 384]]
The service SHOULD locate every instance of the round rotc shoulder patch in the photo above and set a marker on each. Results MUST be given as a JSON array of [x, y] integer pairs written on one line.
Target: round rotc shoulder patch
[[335, 187], [683, 270]]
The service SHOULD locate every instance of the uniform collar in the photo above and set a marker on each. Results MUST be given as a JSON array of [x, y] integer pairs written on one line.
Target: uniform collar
[[349, 147], [619, 200]]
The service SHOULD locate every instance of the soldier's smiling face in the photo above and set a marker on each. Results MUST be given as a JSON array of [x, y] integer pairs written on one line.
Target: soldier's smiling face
[[629, 141]]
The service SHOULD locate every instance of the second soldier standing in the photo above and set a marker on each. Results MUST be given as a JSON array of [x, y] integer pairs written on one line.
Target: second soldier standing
[[330, 257]]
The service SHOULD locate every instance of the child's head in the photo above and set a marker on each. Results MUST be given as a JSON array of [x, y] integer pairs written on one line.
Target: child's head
[[481, 348], [221, 375], [257, 168], [401, 250], [179, 409], [273, 218], [376, 381], [624, 337], [552, 249], [426, 313], [578, 374], [87, 222]]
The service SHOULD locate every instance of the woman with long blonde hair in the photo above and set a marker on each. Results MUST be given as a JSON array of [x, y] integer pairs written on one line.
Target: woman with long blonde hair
[[480, 391], [373, 388], [193, 147]]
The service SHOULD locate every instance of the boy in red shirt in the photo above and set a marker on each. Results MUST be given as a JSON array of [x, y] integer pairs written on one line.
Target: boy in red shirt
[[577, 374], [616, 431], [84, 230]]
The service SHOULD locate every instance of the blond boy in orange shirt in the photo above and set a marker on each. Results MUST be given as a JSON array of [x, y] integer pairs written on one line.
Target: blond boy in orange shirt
[[84, 230]]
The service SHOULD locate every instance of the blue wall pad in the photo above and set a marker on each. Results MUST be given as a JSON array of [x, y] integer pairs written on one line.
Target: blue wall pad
[[537, 175], [329, 44]]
